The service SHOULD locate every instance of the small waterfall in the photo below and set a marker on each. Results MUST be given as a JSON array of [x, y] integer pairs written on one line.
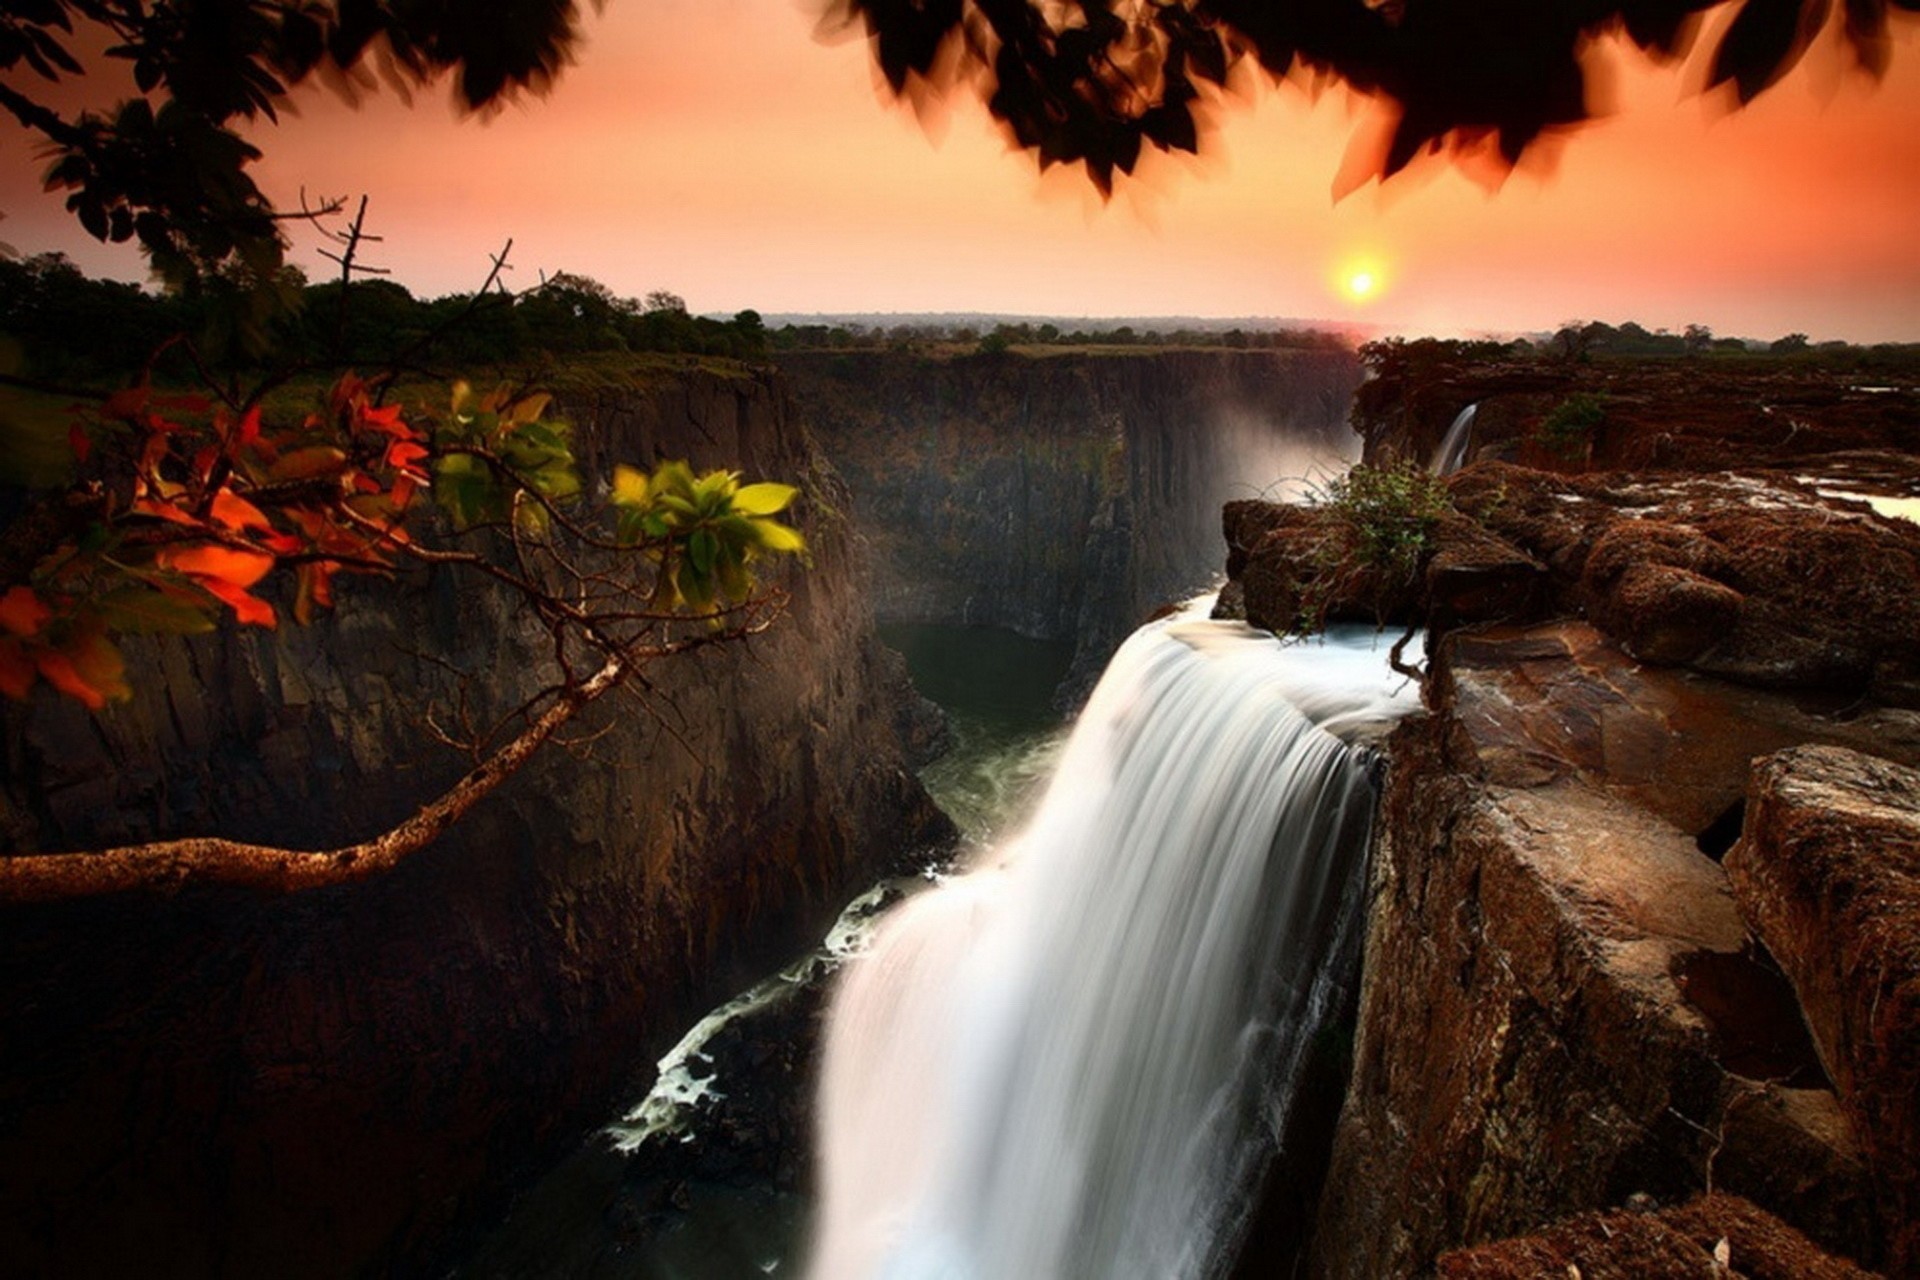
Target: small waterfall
[[1452, 453], [1073, 1060]]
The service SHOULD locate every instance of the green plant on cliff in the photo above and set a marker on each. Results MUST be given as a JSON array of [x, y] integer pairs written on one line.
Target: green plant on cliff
[[1392, 511], [1376, 532], [1567, 431]]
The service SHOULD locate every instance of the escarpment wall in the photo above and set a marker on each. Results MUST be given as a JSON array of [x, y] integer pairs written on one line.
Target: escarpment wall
[[1064, 494], [213, 1083], [1655, 804]]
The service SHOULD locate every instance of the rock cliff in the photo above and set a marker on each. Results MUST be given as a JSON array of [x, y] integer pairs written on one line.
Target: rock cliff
[[218, 1084], [1064, 495], [1642, 924]]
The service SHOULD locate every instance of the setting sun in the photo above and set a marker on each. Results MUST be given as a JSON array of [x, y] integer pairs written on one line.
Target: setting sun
[[1358, 278]]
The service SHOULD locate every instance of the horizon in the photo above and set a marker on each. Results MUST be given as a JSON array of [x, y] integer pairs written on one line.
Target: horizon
[[720, 151]]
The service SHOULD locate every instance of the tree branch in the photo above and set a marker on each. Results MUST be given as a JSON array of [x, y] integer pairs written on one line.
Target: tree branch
[[170, 865]]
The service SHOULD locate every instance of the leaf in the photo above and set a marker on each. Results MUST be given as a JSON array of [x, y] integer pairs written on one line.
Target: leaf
[[144, 611], [763, 499], [22, 612], [630, 488], [218, 564], [702, 549], [778, 538], [315, 460], [529, 409], [60, 673], [313, 590], [99, 663], [235, 512], [247, 608]]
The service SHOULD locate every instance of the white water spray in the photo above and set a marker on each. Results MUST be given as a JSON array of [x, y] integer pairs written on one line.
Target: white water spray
[[1072, 1061], [1452, 453]]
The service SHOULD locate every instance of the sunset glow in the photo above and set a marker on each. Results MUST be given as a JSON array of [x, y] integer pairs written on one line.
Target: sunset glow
[[717, 149]]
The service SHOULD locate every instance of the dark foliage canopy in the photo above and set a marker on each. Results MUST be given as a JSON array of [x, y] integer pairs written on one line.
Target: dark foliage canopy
[[167, 166], [1096, 81]]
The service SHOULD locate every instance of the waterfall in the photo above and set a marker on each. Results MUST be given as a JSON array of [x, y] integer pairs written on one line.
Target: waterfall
[[1452, 453], [1073, 1060]]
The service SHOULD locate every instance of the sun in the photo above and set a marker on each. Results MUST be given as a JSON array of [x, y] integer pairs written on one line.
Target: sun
[[1359, 278]]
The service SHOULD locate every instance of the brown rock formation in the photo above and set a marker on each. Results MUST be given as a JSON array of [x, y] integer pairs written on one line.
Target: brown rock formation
[[221, 1084], [1562, 1006], [1717, 1237], [1758, 578], [1674, 415], [1828, 873]]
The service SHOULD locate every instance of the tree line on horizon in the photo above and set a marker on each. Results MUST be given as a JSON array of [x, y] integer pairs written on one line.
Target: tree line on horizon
[[59, 325]]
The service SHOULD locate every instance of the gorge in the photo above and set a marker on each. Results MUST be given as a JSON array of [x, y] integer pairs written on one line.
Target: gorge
[[1586, 986]]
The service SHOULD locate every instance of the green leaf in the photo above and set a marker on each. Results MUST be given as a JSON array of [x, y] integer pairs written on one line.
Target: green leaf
[[764, 499], [140, 611], [630, 487], [777, 537], [702, 549]]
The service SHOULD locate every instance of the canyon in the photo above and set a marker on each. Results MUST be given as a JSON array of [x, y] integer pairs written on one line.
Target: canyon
[[1600, 981]]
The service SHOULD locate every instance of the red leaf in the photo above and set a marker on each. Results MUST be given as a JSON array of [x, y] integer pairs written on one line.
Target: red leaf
[[249, 429], [59, 671], [218, 564], [165, 510], [386, 420], [78, 442], [235, 512], [314, 590], [203, 461], [22, 612], [403, 454], [247, 608], [403, 490]]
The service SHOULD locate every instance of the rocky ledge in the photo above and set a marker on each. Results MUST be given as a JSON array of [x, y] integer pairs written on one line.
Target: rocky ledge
[[1644, 922]]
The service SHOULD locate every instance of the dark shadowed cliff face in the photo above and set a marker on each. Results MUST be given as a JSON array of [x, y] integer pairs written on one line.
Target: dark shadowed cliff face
[[1062, 495], [215, 1084]]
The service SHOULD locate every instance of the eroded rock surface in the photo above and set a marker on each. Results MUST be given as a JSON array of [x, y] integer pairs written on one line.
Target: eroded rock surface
[[1828, 872], [1563, 1006], [1718, 1237]]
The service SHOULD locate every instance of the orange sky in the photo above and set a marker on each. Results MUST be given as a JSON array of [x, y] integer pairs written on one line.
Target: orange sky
[[715, 148]]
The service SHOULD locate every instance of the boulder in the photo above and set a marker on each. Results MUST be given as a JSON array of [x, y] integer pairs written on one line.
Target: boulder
[[1763, 579], [1717, 1237], [1827, 871]]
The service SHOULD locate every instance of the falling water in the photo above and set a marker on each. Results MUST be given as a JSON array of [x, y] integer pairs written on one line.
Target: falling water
[[1071, 1061], [1452, 453]]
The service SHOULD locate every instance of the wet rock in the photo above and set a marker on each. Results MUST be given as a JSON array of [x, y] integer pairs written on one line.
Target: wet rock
[[1717, 1237], [1757, 578], [1828, 872]]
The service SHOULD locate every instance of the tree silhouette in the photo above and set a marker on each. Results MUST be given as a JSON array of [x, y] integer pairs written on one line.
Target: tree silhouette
[[1098, 81], [167, 167]]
